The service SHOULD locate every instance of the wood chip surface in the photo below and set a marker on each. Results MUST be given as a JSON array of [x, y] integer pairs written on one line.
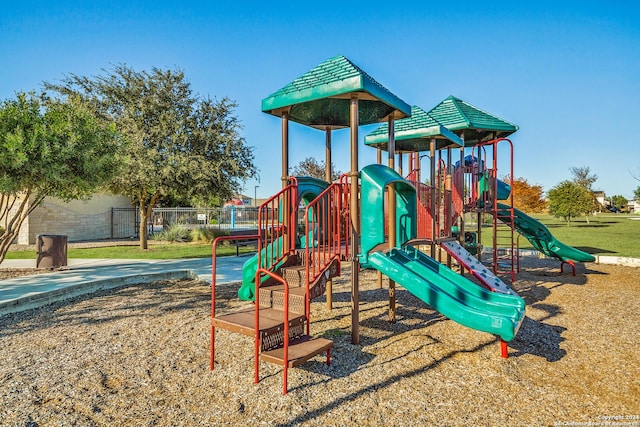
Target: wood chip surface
[[139, 356]]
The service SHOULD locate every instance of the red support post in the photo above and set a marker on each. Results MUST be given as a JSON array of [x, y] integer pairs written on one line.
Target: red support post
[[504, 350], [570, 263]]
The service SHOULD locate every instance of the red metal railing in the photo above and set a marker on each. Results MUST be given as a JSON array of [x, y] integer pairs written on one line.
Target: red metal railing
[[345, 214], [277, 222], [425, 217], [214, 247], [326, 231], [285, 349], [490, 201], [458, 192]]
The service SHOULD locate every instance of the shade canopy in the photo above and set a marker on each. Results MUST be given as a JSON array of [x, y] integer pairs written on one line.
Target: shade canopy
[[472, 124], [414, 133], [321, 97]]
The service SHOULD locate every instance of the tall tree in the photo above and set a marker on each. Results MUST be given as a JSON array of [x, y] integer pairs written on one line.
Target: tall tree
[[568, 200], [180, 145], [582, 176], [619, 201], [636, 193], [311, 167], [527, 197], [49, 148]]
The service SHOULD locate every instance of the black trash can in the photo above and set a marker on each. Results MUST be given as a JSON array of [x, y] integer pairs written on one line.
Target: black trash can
[[52, 251]]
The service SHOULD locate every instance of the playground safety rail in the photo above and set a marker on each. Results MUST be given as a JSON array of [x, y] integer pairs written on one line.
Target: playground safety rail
[[277, 218], [257, 343], [325, 221]]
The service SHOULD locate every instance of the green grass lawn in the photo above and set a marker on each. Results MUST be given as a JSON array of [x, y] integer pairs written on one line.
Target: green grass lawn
[[606, 234], [155, 251]]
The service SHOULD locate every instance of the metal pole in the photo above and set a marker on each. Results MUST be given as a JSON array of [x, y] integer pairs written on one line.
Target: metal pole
[[285, 149], [284, 178], [461, 189], [255, 195], [329, 224], [327, 155], [449, 201], [434, 214], [391, 207], [379, 161], [355, 223]]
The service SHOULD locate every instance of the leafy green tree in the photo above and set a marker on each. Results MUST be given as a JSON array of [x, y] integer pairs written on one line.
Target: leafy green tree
[[568, 200], [636, 193], [180, 145], [311, 167], [619, 201], [49, 148], [583, 177]]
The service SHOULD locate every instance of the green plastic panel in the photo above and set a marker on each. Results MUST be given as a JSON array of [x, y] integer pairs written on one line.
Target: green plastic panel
[[504, 189], [321, 97], [309, 188], [414, 133], [374, 180], [269, 254]]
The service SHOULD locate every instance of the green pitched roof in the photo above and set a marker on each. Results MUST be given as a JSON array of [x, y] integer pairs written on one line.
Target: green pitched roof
[[321, 97], [474, 124], [414, 133]]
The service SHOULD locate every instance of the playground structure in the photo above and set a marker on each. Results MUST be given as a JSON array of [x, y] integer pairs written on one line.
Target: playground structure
[[375, 217]]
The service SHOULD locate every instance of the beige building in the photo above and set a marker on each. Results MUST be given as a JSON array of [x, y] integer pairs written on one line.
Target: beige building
[[91, 219]]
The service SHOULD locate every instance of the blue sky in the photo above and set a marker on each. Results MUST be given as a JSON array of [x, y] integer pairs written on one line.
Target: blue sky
[[567, 73]]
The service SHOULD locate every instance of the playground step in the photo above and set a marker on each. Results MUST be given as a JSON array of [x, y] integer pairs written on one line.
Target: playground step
[[300, 350], [243, 321], [295, 275], [273, 297]]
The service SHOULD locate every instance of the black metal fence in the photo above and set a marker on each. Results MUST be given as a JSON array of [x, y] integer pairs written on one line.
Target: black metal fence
[[125, 221], [226, 218]]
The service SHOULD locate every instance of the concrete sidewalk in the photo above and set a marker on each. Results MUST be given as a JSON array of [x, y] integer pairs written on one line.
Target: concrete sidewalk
[[84, 276]]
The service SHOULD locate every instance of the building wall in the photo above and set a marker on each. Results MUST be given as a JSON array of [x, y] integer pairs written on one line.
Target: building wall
[[77, 219], [23, 233]]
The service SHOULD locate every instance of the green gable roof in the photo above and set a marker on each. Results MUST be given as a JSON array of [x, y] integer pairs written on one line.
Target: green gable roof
[[470, 122], [414, 133], [321, 97]]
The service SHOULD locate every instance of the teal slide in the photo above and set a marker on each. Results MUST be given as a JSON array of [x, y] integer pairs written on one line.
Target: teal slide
[[542, 239], [450, 293], [308, 189], [269, 254], [437, 285]]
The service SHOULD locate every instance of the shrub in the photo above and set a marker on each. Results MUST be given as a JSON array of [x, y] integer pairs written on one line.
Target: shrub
[[206, 235], [174, 233]]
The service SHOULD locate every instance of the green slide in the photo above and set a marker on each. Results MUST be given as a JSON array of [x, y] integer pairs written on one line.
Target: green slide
[[542, 239], [269, 253], [451, 294]]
